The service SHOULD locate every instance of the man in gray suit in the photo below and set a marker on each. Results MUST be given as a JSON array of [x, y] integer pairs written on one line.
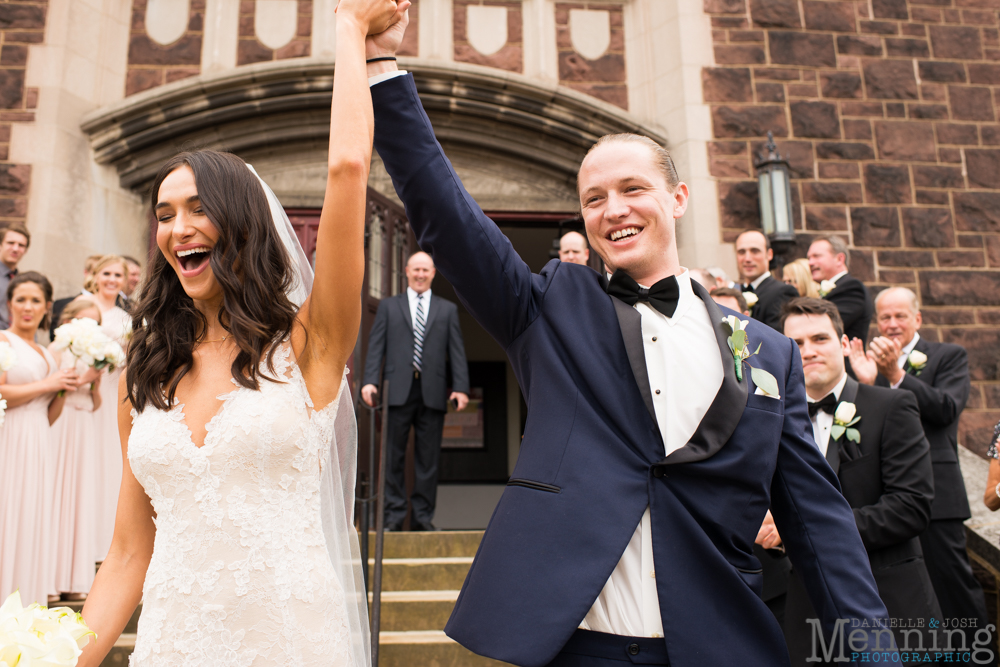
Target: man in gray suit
[[417, 335]]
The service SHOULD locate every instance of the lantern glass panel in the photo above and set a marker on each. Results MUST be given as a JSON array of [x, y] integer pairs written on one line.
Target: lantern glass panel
[[780, 199], [766, 201]]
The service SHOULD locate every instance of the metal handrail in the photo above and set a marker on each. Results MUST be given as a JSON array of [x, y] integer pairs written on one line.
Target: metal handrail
[[378, 497]]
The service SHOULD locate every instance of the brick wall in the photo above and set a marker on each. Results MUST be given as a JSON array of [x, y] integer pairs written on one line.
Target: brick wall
[[604, 77], [151, 64], [251, 50], [888, 113], [510, 57], [21, 24]]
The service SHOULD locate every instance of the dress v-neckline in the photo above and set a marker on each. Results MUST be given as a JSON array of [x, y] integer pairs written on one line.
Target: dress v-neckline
[[11, 335], [183, 421]]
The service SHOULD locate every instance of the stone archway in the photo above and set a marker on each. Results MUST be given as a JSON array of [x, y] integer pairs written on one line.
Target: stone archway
[[516, 143]]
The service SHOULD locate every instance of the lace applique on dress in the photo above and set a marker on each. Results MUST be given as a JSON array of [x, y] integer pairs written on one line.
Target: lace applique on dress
[[240, 574]]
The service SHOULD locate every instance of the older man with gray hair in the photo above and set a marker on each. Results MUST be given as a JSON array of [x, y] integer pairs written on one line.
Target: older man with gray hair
[[938, 375]]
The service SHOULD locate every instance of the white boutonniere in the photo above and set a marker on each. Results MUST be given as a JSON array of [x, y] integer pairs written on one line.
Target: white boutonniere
[[740, 346], [917, 361], [751, 299], [826, 286], [844, 417]]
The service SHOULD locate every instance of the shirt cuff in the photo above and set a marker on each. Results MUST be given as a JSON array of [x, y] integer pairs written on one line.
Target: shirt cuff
[[384, 76], [895, 385]]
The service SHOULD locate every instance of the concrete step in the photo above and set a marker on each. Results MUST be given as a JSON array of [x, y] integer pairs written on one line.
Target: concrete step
[[416, 610], [428, 648], [422, 574], [437, 544]]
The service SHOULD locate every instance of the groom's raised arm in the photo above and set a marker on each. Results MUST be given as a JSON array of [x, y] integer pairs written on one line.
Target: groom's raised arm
[[468, 248]]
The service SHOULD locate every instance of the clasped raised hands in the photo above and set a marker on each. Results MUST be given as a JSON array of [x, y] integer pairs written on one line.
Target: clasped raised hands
[[882, 358], [374, 16]]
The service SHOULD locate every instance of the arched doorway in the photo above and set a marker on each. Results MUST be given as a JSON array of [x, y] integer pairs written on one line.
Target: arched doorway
[[515, 143]]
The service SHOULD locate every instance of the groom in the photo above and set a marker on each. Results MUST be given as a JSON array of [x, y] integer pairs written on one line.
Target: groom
[[625, 533]]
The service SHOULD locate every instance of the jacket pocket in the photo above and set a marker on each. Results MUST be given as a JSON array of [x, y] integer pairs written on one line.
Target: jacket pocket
[[538, 486]]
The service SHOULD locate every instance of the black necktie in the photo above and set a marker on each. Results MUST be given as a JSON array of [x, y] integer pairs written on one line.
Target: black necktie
[[827, 404], [662, 296]]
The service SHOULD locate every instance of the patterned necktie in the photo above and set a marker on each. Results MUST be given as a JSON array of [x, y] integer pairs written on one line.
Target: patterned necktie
[[418, 333]]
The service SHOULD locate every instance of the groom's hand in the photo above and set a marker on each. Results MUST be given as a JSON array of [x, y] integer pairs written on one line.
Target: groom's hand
[[372, 16], [767, 536], [387, 42]]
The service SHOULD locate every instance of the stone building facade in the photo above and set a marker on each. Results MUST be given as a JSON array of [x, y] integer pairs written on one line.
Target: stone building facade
[[886, 109]]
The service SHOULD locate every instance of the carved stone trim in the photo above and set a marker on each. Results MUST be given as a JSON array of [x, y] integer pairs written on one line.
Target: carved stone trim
[[286, 102]]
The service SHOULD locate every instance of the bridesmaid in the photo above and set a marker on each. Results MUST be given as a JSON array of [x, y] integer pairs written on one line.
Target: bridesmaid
[[76, 441], [104, 285], [31, 389]]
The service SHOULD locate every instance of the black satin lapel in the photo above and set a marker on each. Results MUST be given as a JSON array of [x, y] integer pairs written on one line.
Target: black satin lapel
[[630, 322], [726, 410], [850, 392], [833, 454]]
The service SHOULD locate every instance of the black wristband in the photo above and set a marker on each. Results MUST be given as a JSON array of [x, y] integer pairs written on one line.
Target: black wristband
[[380, 59]]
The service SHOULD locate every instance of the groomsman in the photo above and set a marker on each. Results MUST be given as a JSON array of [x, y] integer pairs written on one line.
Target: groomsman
[[754, 255], [873, 440], [418, 336], [829, 261], [639, 416], [937, 374]]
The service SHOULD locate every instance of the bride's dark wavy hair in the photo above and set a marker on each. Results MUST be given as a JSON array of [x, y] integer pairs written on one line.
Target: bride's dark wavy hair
[[249, 262]]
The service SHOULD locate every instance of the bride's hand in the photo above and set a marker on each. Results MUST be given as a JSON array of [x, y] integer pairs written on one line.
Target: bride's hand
[[386, 42], [374, 16]]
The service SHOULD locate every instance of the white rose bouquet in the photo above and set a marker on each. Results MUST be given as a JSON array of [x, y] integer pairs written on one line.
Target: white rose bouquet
[[84, 339], [35, 636], [7, 360]]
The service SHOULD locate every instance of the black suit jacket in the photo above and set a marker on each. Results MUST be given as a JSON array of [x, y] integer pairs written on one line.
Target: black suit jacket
[[854, 304], [888, 481], [391, 340], [771, 296], [941, 389]]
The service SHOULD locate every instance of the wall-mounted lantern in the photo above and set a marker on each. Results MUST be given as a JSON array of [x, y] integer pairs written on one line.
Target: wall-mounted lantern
[[775, 187]]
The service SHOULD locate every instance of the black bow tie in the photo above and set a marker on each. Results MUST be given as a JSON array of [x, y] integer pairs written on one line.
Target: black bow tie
[[748, 288], [662, 296], [827, 404]]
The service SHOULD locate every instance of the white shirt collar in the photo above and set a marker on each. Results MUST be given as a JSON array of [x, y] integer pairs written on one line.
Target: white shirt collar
[[412, 294], [755, 283], [837, 390], [838, 277], [908, 348]]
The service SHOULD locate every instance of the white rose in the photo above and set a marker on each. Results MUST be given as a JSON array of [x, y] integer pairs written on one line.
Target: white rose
[[917, 358], [735, 323], [845, 412], [750, 298]]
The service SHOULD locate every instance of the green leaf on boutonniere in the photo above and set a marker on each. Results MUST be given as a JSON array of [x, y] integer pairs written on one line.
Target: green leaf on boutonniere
[[853, 435], [836, 431], [765, 381]]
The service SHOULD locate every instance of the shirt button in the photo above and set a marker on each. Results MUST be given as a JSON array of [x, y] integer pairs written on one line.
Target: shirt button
[[654, 339], [657, 392], [656, 635], [652, 573]]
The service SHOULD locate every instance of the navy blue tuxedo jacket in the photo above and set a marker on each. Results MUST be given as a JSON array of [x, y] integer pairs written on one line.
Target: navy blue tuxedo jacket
[[592, 460]]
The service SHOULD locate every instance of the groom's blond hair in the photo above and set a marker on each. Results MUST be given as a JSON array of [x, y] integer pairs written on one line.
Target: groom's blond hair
[[661, 156]]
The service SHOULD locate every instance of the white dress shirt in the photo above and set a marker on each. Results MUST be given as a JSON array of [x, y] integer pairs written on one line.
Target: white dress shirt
[[901, 362], [838, 277], [685, 373], [755, 283], [823, 422], [411, 296]]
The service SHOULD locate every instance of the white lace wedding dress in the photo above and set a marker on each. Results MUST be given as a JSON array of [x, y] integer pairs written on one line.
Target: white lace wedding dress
[[251, 563]]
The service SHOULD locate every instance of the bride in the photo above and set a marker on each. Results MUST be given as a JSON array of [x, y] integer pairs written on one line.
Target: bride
[[234, 519]]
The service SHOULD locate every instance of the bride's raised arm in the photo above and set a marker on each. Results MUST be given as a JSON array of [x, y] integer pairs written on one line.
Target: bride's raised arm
[[332, 313]]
